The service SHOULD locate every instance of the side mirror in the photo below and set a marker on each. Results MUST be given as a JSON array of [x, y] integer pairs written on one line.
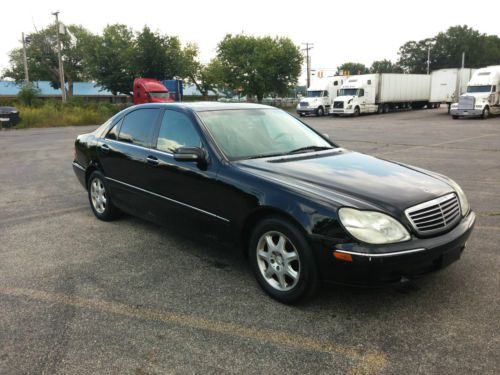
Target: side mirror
[[193, 154]]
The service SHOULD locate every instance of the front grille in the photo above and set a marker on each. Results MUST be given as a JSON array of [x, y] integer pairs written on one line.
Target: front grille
[[466, 102], [338, 104], [435, 216], [304, 104]]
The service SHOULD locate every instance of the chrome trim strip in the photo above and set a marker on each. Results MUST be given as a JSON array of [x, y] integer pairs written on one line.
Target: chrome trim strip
[[139, 147], [170, 200], [382, 255], [75, 164]]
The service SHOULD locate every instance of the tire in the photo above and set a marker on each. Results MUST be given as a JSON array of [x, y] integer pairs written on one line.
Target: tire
[[386, 108], [486, 113], [356, 112], [380, 109], [100, 201], [454, 117], [320, 111], [289, 243]]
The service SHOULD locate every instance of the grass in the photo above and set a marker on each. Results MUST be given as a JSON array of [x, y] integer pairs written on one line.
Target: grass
[[49, 113]]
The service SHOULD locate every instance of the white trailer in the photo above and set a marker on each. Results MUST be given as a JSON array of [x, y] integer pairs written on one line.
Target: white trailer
[[482, 97], [320, 95], [381, 93], [448, 84]]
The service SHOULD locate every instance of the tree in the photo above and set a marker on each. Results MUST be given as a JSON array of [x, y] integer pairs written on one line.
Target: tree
[[385, 66], [28, 93], [42, 57], [259, 65], [352, 68], [446, 50], [110, 63]]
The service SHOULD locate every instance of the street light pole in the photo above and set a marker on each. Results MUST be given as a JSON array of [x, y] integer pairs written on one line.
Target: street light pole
[[309, 46], [25, 60], [428, 58], [61, 67]]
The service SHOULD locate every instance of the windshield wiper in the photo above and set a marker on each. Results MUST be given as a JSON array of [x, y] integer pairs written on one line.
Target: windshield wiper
[[263, 156], [309, 148]]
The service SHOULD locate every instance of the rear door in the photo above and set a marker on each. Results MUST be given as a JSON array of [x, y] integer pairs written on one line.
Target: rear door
[[123, 155]]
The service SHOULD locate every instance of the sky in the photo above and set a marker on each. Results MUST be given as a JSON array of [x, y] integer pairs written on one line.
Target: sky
[[359, 31]]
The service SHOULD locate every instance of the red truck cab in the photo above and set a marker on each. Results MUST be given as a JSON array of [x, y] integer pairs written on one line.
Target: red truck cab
[[149, 90]]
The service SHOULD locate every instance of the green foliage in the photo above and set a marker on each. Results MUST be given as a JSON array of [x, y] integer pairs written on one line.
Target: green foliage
[[446, 50], [28, 94], [385, 66], [54, 113], [259, 65], [353, 68], [42, 58]]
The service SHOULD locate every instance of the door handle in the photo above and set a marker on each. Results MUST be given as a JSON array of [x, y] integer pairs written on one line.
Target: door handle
[[104, 148], [152, 160]]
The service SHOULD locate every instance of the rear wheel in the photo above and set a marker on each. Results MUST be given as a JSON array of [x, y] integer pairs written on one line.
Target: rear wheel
[[320, 111], [386, 108], [99, 198], [282, 261]]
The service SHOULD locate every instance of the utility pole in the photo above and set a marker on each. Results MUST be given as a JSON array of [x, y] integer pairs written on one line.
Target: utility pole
[[428, 58], [25, 60], [309, 46], [61, 67]]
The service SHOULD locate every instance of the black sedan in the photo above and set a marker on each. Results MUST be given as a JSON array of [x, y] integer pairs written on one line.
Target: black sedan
[[9, 116], [303, 209]]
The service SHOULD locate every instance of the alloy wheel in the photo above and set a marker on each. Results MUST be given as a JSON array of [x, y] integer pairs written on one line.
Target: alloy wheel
[[98, 195]]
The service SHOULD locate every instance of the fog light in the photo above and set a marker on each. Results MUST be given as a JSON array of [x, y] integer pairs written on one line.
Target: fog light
[[342, 256]]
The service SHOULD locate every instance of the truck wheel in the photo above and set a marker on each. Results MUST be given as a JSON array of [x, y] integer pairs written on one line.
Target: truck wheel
[[356, 112], [320, 111], [380, 109], [486, 112], [454, 117], [386, 108], [301, 114]]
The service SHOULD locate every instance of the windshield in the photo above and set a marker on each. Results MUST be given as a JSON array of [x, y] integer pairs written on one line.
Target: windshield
[[160, 95], [479, 88], [251, 133], [314, 94], [348, 92]]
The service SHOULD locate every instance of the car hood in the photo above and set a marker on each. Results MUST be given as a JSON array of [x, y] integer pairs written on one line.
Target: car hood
[[351, 178]]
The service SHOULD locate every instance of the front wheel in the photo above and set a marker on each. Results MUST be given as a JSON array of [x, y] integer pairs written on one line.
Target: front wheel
[[320, 111], [356, 112], [454, 117], [486, 113], [99, 198], [282, 261]]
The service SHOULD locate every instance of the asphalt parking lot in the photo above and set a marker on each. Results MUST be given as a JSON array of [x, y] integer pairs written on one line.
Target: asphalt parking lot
[[79, 296]]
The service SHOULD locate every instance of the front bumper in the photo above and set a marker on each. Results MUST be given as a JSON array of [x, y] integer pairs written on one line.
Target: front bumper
[[466, 112], [342, 111], [306, 110], [380, 264]]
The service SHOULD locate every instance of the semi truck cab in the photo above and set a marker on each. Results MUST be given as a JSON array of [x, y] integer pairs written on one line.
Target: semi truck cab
[[357, 95], [319, 96], [149, 90], [482, 97]]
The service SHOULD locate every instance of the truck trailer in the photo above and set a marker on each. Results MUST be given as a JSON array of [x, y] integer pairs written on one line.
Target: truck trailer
[[482, 97], [382, 93], [448, 84], [319, 96]]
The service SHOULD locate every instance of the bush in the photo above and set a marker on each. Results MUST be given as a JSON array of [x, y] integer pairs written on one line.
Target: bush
[[28, 94], [54, 113]]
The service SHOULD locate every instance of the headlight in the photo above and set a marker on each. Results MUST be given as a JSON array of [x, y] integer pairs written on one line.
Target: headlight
[[349, 106], [464, 203], [372, 227]]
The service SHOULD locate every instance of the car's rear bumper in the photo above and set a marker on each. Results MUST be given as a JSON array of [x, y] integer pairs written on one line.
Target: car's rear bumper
[[374, 265], [80, 173]]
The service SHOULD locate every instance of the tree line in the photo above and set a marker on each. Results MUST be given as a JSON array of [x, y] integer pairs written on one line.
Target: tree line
[[245, 64], [254, 66], [445, 51]]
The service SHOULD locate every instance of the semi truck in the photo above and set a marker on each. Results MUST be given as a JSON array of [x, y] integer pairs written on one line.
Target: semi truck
[[149, 90], [448, 84], [382, 93], [482, 97], [319, 96]]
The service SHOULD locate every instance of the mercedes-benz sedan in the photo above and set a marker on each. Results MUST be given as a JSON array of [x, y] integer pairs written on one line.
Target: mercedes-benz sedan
[[304, 210]]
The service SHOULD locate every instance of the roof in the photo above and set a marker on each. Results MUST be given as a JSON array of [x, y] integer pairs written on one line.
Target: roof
[[208, 106], [10, 88]]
